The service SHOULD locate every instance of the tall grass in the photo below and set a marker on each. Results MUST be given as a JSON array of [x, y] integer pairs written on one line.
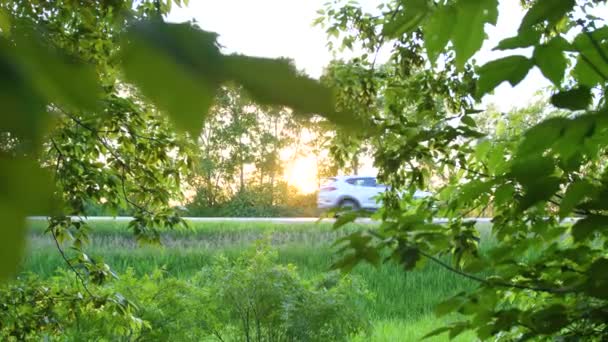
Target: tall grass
[[403, 300]]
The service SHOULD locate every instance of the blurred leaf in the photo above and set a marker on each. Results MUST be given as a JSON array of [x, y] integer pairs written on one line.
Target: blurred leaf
[[574, 99], [550, 320], [407, 19], [539, 191], [474, 189], [26, 190], [187, 69], [575, 193], [438, 30], [584, 229], [529, 170], [504, 194], [513, 69], [271, 81], [436, 332], [542, 136], [547, 10], [12, 244], [23, 106], [522, 40], [449, 306], [468, 120], [60, 80], [345, 218], [597, 283], [5, 22], [468, 34], [408, 256]]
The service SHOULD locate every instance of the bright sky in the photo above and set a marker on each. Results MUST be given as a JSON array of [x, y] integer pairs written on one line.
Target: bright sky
[[282, 28], [277, 28]]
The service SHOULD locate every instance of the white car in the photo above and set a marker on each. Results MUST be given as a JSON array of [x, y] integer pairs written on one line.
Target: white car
[[356, 192]]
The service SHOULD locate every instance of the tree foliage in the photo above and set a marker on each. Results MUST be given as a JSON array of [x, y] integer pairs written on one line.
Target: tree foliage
[[93, 92], [87, 86], [545, 277]]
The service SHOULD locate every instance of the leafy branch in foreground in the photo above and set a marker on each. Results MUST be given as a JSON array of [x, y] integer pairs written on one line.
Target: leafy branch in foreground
[[542, 279], [87, 96]]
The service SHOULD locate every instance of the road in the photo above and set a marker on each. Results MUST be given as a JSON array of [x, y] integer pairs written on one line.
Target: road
[[284, 220]]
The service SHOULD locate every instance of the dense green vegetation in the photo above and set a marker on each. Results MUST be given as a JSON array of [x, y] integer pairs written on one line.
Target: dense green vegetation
[[124, 135], [400, 302]]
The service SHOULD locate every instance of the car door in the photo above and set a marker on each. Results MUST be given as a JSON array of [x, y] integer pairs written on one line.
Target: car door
[[368, 192], [373, 191]]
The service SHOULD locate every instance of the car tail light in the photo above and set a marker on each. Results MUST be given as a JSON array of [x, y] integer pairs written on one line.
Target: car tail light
[[328, 189]]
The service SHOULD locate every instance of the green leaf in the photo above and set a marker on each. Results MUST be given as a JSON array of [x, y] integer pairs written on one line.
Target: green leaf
[[454, 329], [436, 332], [24, 108], [277, 82], [575, 193], [438, 30], [551, 61], [504, 194], [449, 306], [12, 244], [542, 136], [5, 22], [407, 19], [482, 149], [597, 283], [468, 120], [546, 10], [469, 32], [586, 73], [529, 170], [26, 190], [60, 80], [550, 320], [591, 67], [584, 229], [345, 218], [574, 99], [474, 189], [513, 69], [522, 40], [187, 69], [408, 256], [600, 34], [539, 191]]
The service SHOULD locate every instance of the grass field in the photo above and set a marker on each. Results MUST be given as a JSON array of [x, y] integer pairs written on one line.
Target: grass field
[[401, 311]]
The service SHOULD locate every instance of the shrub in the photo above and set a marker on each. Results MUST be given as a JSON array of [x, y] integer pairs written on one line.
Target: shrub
[[251, 298], [263, 301]]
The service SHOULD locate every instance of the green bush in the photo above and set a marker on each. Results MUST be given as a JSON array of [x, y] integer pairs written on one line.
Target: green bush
[[250, 298], [256, 202], [263, 301]]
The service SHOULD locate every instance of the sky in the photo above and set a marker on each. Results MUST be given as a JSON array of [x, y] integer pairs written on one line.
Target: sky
[[283, 28]]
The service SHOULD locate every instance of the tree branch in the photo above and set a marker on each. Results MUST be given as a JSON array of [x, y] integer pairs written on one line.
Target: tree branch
[[67, 261], [561, 290]]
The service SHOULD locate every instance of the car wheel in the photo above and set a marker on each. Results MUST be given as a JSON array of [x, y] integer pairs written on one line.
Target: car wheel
[[349, 205]]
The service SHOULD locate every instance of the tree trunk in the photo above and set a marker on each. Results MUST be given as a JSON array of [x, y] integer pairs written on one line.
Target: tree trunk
[[355, 164], [242, 176], [274, 161]]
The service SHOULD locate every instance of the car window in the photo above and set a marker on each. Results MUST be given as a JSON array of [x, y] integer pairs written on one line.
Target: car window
[[367, 182]]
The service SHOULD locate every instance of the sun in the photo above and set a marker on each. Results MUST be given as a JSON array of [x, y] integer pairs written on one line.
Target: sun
[[302, 174]]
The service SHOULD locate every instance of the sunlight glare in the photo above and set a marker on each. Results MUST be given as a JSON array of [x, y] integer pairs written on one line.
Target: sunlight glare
[[302, 174]]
